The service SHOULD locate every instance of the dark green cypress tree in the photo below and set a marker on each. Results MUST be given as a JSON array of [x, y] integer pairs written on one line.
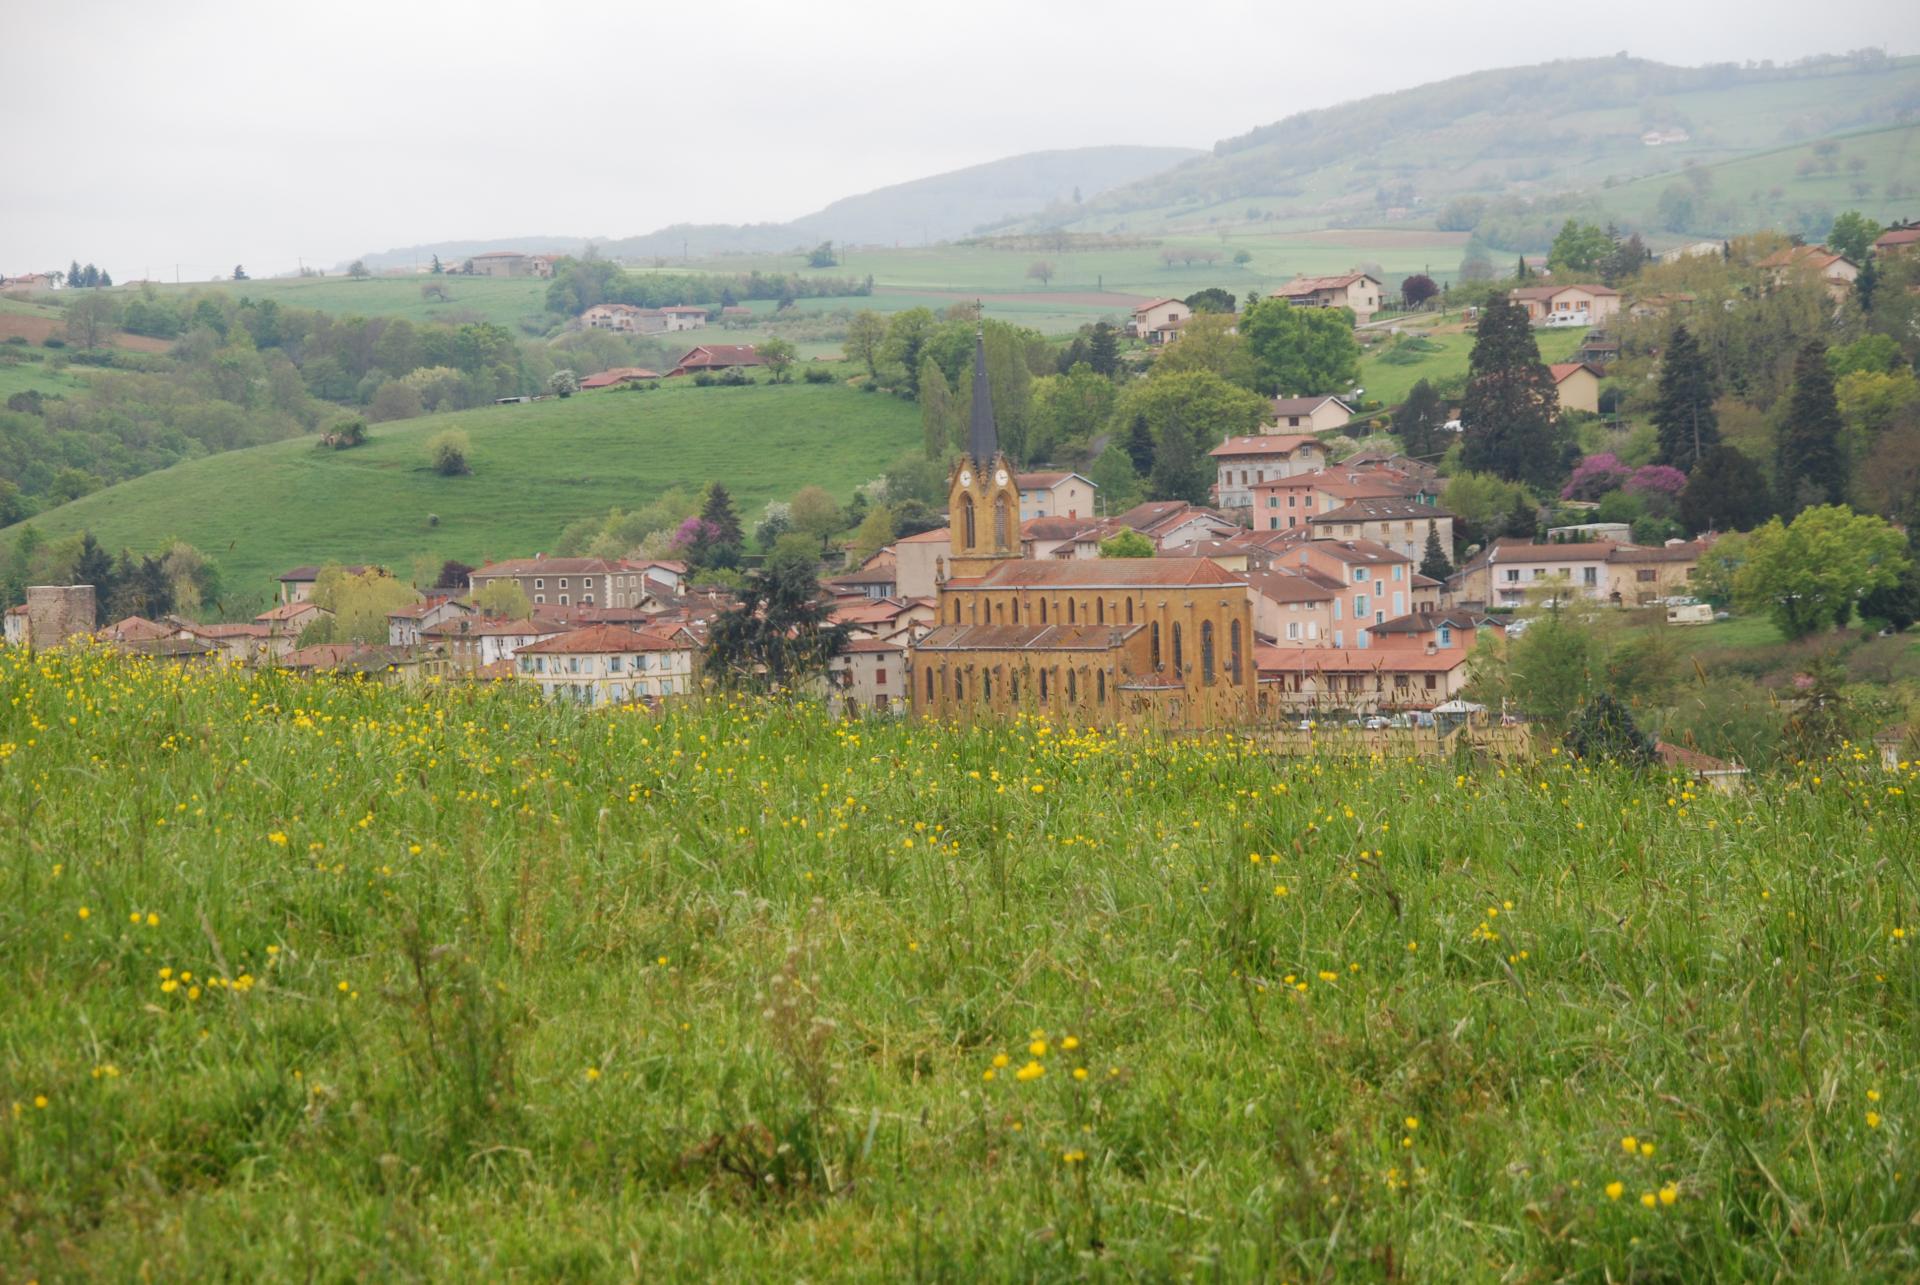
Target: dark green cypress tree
[[1140, 446], [1523, 520], [1809, 466], [1509, 418], [1103, 349], [94, 566], [1684, 414], [1866, 284], [1418, 421], [1726, 492], [1434, 563], [719, 511], [1179, 469]]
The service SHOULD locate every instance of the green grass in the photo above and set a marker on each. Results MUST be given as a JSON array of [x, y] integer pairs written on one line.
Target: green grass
[[502, 300], [480, 989], [20, 377], [1389, 382], [535, 468]]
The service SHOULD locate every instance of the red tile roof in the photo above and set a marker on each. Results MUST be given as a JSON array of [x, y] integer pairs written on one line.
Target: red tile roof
[[1103, 573], [1897, 238], [601, 640], [1289, 586], [1564, 370], [868, 646], [1149, 307], [1307, 405], [1350, 660], [1043, 481], [1268, 443], [1309, 285], [1026, 637], [941, 536], [550, 567], [1381, 509], [288, 611], [618, 375], [719, 356]]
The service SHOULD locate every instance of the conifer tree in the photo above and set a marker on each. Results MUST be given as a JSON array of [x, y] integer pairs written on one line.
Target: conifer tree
[[1809, 466], [939, 426], [1103, 349], [1509, 418], [1179, 469], [1418, 421], [1433, 562], [1726, 492], [719, 512], [1140, 445], [1684, 415]]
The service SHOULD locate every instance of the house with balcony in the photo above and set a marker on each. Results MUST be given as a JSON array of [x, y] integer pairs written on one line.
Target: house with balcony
[[1242, 463], [1358, 292]]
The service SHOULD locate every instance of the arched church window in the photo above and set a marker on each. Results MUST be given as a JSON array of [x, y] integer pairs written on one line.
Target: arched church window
[[966, 521]]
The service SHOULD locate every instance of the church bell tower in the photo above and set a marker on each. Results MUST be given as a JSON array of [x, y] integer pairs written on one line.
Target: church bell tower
[[983, 499]]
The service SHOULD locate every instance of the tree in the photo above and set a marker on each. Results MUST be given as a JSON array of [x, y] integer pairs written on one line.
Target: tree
[[717, 510], [1548, 672], [1211, 299], [866, 334], [1127, 544], [91, 319], [239, 273], [1208, 342], [1810, 467], [1628, 257], [1069, 410], [1605, 732], [1523, 519], [360, 605], [816, 514], [1180, 469], [1301, 351], [822, 256], [1420, 422], [1580, 249], [1897, 606], [778, 356], [1852, 236], [907, 333], [503, 598], [454, 574], [940, 425], [436, 269], [357, 270], [1417, 289], [1725, 492], [875, 532], [1040, 270], [1139, 444], [1103, 349], [1205, 406], [563, 383], [778, 635], [1509, 418], [94, 566], [1683, 416], [1675, 208], [1434, 563], [1810, 574], [447, 452]]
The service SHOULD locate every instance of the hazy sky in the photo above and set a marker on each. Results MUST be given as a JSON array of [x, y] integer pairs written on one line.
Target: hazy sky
[[205, 133]]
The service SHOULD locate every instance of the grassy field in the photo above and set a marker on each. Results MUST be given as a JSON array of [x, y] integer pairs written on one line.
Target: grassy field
[[536, 467], [1389, 382], [19, 377], [330, 981], [504, 300]]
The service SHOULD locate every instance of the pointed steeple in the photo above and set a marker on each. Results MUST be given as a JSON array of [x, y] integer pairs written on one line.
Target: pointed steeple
[[983, 440]]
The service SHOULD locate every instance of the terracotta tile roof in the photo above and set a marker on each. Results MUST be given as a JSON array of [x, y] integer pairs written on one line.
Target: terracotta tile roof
[[870, 611], [493, 629], [1052, 528], [1026, 637], [1507, 551], [1308, 285], [1148, 307], [1103, 573], [1289, 586], [346, 656], [1548, 292], [870, 646], [1689, 551], [941, 536], [232, 631], [307, 575], [1355, 552], [1564, 370], [1812, 255], [1897, 238], [1270, 659], [1307, 405], [618, 375], [1044, 481], [136, 629], [1381, 509], [1268, 443], [1692, 760], [550, 567], [601, 640], [1425, 622], [1158, 516], [716, 356], [432, 602], [288, 611]]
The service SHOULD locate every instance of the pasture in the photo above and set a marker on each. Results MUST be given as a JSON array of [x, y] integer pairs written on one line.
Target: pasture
[[329, 980], [536, 467]]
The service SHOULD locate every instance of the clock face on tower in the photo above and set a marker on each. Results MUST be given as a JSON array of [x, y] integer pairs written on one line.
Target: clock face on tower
[[966, 477], [1000, 478]]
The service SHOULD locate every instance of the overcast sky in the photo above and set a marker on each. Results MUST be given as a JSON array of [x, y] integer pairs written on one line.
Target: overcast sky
[[204, 133]]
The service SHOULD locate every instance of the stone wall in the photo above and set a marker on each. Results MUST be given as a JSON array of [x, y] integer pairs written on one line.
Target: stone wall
[[56, 613]]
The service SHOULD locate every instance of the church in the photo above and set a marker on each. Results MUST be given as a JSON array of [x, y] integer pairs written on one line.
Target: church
[[1166, 642]]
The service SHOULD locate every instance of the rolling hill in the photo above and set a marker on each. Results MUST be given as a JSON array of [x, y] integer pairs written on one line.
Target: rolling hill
[[1543, 132], [536, 467], [919, 212]]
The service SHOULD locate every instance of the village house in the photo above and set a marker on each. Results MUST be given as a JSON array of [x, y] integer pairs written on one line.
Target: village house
[[1357, 292], [1603, 571], [1113, 640], [609, 665], [1899, 239], [1835, 271], [1173, 523], [474, 643], [566, 582], [870, 674], [1578, 385], [1436, 631], [1312, 680], [877, 577], [244, 644], [1064, 537], [1244, 462], [618, 377], [1310, 414], [684, 316], [623, 318], [1428, 594], [1159, 321], [1287, 502], [1293, 604], [406, 624], [297, 584], [291, 619], [1398, 523], [918, 560], [714, 359], [1375, 582], [1054, 495], [883, 619], [1568, 305], [510, 263]]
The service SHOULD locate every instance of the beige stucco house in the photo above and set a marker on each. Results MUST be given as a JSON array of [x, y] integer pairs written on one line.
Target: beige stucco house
[[1055, 495], [1568, 305]]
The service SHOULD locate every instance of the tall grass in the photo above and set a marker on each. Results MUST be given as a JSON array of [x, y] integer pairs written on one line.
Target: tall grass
[[327, 979]]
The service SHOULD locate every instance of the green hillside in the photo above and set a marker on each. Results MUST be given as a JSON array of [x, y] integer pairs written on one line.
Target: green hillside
[[1523, 132], [503, 301], [535, 468]]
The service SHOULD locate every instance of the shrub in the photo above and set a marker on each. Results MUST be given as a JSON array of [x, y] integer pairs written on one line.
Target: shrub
[[703, 380], [869, 387], [447, 451], [817, 375], [53, 341], [734, 377]]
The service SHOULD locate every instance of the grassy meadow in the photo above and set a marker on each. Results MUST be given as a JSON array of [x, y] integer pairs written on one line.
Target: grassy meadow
[[1389, 381], [536, 467], [331, 980], [501, 300]]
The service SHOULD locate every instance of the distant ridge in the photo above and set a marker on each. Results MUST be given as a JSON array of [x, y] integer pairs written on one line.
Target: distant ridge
[[941, 207]]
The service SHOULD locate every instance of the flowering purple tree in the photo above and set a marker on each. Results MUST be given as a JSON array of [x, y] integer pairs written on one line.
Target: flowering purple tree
[[1659, 485], [694, 538], [1596, 475]]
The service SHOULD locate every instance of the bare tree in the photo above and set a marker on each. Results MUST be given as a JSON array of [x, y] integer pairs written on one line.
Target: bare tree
[[1040, 270]]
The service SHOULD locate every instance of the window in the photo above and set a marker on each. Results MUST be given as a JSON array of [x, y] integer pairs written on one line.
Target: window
[[959, 688], [986, 685], [539, 597], [1643, 576], [1070, 613], [1043, 611], [587, 599], [1432, 682], [1153, 644], [1293, 631], [563, 599], [613, 664], [1591, 575], [1043, 684], [1129, 611], [1100, 686], [1359, 575], [966, 522], [879, 678], [1099, 611], [563, 582], [956, 611], [1396, 571], [1073, 686], [929, 685], [1359, 606], [1233, 653], [1179, 656], [1446, 635], [539, 584], [1206, 652], [1016, 611], [1513, 575], [1002, 521]]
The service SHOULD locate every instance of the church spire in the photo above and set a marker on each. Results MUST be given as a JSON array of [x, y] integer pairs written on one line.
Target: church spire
[[983, 440]]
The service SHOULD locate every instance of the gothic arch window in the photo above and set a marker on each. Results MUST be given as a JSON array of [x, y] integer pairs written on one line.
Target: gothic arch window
[[1100, 686], [959, 688], [1233, 653], [1129, 611], [1043, 611], [1073, 686], [1153, 635], [956, 611], [1002, 521], [973, 613], [1099, 611], [929, 684], [1070, 615], [1179, 653], [1043, 684], [1016, 611], [966, 521], [986, 686], [1000, 612], [1206, 652]]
